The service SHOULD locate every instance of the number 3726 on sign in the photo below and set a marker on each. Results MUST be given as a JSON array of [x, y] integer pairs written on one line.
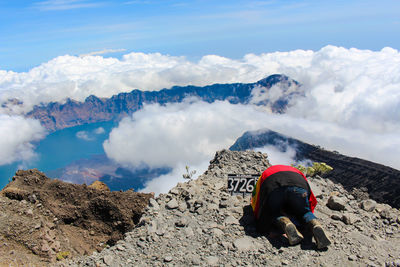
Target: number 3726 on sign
[[242, 184]]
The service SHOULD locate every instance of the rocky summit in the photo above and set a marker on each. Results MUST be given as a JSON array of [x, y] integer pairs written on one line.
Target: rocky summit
[[198, 223]]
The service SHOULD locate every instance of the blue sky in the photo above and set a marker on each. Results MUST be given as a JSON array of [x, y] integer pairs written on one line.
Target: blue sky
[[33, 32]]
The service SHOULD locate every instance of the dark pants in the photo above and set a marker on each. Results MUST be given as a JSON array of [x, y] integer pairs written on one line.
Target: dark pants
[[290, 201]]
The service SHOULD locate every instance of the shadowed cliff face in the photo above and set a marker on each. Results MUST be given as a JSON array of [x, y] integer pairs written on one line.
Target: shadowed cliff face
[[56, 116], [381, 182]]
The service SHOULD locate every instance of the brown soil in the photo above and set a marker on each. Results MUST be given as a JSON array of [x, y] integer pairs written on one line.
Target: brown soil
[[42, 218]]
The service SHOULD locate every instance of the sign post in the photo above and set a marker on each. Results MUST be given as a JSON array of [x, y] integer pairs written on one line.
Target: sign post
[[242, 184]]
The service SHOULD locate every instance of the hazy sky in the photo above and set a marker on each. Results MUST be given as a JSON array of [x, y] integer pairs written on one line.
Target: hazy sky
[[34, 32]]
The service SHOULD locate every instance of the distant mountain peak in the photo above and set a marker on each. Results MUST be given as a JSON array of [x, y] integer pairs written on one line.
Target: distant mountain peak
[[276, 78]]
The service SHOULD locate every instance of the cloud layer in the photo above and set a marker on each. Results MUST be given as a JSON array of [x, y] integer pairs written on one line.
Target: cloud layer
[[349, 87], [16, 137], [187, 133]]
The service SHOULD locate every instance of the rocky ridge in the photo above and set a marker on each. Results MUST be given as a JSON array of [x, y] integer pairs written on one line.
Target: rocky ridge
[[55, 116], [198, 223]]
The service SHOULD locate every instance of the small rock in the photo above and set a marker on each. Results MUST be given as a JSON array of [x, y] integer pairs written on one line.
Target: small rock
[[212, 260], [154, 204], [196, 260], [352, 258], [284, 262], [349, 218], [217, 232], [108, 259], [45, 247], [174, 191], [243, 244], [168, 258], [188, 231], [141, 244], [181, 222], [223, 204], [29, 212], [182, 207], [230, 220], [172, 204], [368, 205], [336, 217], [336, 203], [385, 214]]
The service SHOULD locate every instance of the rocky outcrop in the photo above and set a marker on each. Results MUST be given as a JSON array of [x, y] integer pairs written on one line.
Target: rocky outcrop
[[56, 116], [380, 182], [198, 223], [41, 218]]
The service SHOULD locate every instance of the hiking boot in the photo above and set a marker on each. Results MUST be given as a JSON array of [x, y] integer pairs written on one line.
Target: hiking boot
[[320, 237], [293, 235]]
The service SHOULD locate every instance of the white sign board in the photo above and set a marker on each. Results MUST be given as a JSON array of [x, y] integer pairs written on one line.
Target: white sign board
[[242, 184]]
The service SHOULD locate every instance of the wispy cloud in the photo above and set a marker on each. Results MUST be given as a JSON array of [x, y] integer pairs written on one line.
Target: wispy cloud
[[138, 2], [90, 136], [52, 5], [102, 52], [84, 135]]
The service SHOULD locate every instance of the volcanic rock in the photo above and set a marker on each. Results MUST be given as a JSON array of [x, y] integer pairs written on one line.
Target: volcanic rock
[[42, 219]]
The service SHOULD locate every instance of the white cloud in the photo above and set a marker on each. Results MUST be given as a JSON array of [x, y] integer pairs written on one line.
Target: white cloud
[[165, 182], [187, 132], [102, 52], [90, 135], [276, 156], [99, 130], [52, 5], [84, 135], [17, 135]]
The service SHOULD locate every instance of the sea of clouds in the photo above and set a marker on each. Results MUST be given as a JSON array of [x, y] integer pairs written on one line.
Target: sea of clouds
[[351, 102]]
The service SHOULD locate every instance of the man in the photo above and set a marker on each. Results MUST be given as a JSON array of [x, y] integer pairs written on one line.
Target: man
[[283, 191]]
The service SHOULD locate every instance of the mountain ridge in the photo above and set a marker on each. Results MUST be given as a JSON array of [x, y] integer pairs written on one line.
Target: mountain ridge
[[55, 116]]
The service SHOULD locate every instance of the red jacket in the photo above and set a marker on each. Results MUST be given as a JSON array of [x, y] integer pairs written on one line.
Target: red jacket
[[255, 200]]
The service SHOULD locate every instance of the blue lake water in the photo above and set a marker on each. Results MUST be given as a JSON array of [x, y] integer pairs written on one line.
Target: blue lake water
[[63, 147]]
